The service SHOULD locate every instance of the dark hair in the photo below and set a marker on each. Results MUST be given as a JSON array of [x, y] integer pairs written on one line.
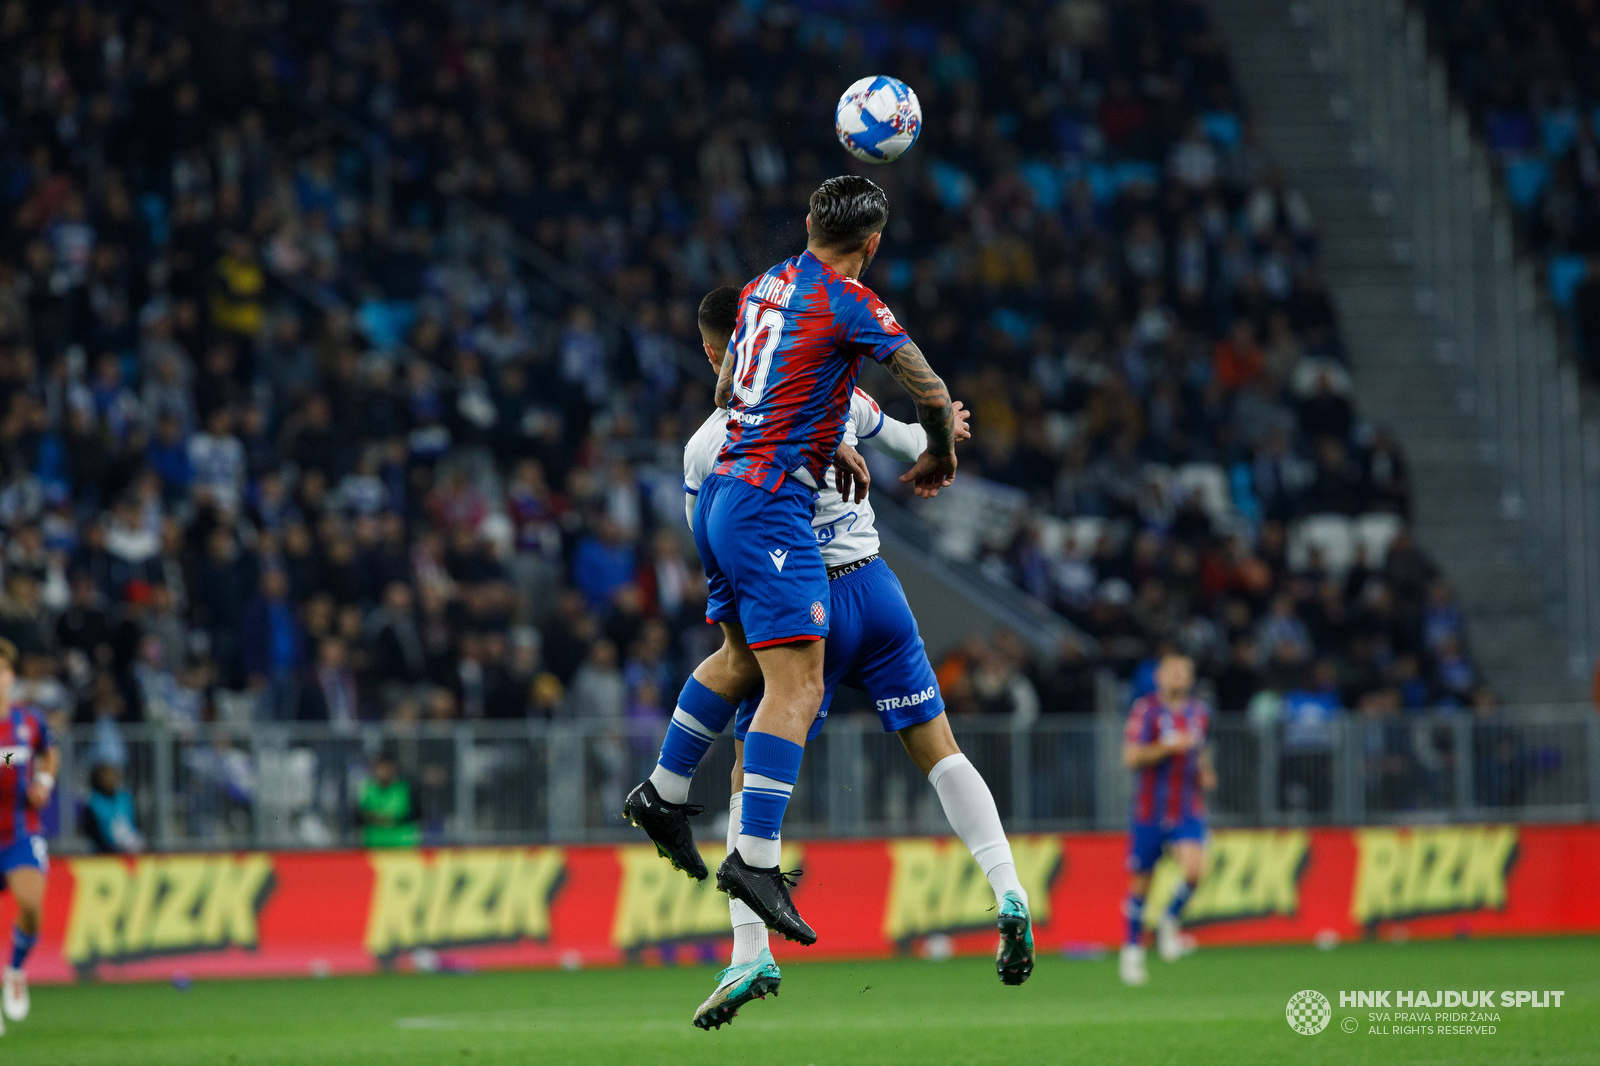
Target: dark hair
[[719, 311], [846, 210]]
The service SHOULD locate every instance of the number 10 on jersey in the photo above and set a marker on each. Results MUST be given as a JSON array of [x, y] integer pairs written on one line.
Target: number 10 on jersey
[[763, 329]]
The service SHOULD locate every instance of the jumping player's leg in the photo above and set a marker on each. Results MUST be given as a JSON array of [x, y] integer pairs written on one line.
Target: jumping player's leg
[[705, 706], [792, 677], [749, 931], [970, 807], [967, 801], [891, 663], [753, 972], [762, 547], [660, 805]]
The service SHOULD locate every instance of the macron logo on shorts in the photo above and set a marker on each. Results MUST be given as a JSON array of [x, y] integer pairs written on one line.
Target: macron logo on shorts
[[778, 559]]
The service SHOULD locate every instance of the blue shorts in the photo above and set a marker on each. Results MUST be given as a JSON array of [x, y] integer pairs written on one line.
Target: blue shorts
[[874, 645], [763, 568], [1146, 841], [27, 851]]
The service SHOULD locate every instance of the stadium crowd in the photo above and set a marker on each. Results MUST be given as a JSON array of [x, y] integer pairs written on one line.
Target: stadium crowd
[[1526, 74], [275, 425]]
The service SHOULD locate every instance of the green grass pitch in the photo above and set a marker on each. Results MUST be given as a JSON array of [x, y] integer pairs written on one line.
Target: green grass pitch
[[1217, 1006]]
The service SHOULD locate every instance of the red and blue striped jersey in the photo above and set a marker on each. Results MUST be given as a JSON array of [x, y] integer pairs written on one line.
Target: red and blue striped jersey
[[1168, 791], [803, 329], [23, 737]]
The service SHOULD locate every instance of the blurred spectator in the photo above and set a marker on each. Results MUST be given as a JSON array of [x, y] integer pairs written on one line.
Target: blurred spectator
[[385, 812], [1310, 717], [330, 693], [108, 819], [272, 639]]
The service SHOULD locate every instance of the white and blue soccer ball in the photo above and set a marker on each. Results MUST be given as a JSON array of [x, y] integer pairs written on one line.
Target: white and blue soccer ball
[[878, 119]]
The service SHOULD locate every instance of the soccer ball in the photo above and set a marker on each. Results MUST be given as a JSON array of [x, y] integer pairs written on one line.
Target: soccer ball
[[878, 119]]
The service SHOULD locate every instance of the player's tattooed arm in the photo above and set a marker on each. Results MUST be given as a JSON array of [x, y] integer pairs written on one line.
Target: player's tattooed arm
[[910, 367], [725, 380], [935, 467]]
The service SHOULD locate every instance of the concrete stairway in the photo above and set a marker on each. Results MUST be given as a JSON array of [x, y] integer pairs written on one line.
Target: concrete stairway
[[1402, 371]]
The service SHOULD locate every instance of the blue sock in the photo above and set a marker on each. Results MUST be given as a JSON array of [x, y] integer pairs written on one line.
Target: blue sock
[[1179, 898], [771, 767], [1133, 911], [21, 944], [700, 715]]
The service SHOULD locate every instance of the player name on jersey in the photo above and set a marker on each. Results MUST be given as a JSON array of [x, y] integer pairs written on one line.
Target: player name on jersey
[[773, 289]]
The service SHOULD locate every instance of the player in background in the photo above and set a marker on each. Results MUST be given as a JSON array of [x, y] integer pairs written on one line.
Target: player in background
[[28, 763], [874, 641], [1165, 747], [787, 380]]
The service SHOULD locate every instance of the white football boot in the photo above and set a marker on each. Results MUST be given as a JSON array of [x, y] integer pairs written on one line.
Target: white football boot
[[14, 995], [1131, 965]]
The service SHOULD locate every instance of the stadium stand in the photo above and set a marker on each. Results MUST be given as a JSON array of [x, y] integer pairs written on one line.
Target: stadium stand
[[285, 439], [1525, 73]]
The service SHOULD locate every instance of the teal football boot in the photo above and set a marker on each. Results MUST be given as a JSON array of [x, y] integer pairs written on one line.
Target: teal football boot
[[1014, 959], [736, 986]]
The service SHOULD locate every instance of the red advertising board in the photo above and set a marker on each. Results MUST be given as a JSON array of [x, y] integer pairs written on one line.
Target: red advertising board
[[257, 913]]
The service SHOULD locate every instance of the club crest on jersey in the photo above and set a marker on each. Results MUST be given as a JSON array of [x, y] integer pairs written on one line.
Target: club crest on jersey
[[818, 615]]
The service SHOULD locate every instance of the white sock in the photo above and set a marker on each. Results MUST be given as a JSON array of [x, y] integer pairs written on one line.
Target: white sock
[[759, 852], [674, 788], [749, 932], [749, 941], [969, 806]]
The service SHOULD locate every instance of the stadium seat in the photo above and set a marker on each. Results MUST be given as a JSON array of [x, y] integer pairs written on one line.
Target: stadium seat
[[1330, 535], [1374, 533], [1209, 483]]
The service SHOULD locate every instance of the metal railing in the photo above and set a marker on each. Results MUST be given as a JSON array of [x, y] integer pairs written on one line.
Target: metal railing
[[1491, 318], [296, 785]]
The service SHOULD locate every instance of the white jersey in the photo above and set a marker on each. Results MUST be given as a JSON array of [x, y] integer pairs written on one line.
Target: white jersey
[[845, 530]]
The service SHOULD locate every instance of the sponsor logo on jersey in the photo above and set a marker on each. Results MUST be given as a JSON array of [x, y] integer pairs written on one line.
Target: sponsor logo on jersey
[[778, 559], [827, 533], [15, 754], [746, 419], [774, 290], [909, 701], [818, 615], [886, 317]]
